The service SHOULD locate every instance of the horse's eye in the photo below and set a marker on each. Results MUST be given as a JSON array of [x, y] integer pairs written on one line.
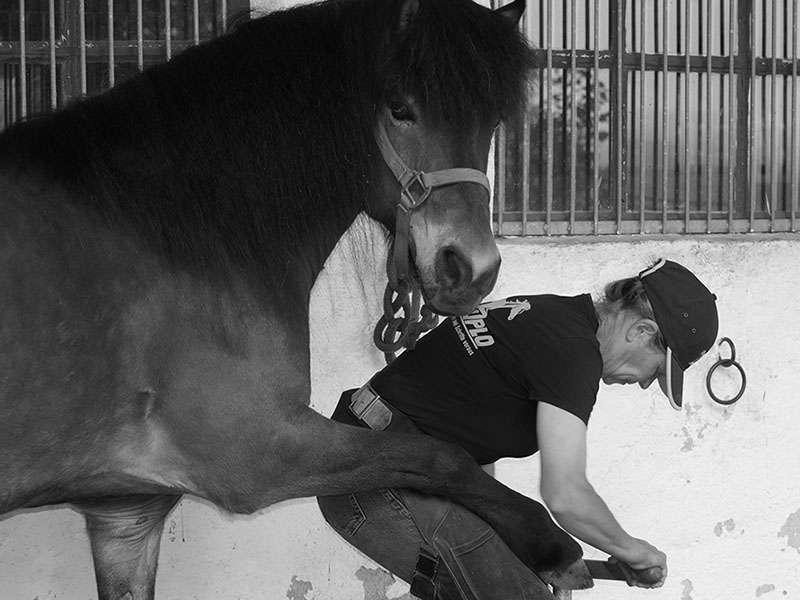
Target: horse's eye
[[400, 112]]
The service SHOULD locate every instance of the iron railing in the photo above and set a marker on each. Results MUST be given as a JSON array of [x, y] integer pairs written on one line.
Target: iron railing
[[54, 50], [655, 116]]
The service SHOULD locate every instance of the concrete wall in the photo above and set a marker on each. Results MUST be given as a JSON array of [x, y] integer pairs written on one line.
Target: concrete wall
[[718, 489]]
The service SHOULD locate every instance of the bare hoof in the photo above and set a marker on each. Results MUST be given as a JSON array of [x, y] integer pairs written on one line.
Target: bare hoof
[[575, 577]]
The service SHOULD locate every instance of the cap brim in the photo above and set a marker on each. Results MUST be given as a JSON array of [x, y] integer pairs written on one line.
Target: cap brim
[[671, 383]]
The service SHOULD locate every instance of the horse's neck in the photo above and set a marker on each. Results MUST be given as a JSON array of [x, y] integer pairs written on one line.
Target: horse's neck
[[309, 257]]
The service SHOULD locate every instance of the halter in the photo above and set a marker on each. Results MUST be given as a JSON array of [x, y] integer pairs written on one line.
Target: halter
[[415, 188]]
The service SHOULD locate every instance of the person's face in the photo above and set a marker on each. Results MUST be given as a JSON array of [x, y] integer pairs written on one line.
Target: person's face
[[632, 356]]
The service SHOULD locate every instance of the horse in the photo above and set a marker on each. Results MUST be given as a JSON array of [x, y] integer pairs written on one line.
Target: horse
[[158, 245]]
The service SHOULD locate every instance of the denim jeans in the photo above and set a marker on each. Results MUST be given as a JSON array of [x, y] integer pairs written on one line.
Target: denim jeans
[[442, 549]]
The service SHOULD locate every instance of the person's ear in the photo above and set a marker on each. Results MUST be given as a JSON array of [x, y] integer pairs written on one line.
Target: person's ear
[[642, 330]]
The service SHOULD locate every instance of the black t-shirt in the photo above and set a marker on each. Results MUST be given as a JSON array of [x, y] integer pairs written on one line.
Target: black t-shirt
[[477, 380]]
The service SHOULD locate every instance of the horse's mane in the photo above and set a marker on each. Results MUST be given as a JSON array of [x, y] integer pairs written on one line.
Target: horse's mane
[[240, 151]]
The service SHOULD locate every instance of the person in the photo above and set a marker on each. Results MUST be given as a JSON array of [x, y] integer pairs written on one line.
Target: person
[[516, 377]]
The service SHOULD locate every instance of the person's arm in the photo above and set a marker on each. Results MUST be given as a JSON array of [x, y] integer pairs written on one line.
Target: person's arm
[[573, 501]]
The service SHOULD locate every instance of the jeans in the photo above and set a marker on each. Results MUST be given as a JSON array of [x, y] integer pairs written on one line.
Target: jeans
[[442, 549]]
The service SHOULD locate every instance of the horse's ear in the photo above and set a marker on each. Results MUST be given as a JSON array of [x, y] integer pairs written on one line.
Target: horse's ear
[[512, 11], [408, 11]]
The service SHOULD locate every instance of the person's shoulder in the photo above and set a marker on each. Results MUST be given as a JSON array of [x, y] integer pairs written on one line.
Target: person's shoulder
[[573, 315]]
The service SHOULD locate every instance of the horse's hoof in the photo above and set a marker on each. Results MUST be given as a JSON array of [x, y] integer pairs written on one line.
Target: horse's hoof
[[574, 577]]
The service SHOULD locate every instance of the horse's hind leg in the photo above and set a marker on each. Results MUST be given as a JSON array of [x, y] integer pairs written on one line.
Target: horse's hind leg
[[125, 534]]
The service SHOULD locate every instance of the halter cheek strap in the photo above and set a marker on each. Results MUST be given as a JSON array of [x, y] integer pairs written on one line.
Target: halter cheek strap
[[415, 188], [392, 332]]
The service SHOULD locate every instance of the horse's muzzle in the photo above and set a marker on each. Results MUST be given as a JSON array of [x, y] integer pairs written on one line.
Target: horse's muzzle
[[462, 283]]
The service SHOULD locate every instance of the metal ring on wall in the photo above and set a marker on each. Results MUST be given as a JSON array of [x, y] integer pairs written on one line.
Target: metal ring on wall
[[726, 362]]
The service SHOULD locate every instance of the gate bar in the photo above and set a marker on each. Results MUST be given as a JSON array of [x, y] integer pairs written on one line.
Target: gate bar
[[526, 139], [731, 113], [82, 43], [773, 150], [573, 148], [168, 29], [795, 110], [753, 115], [620, 145], [196, 21], [139, 36], [642, 117], [549, 175], [686, 168], [111, 43], [595, 129], [500, 174], [665, 114], [709, 54], [51, 14], [499, 158], [23, 76]]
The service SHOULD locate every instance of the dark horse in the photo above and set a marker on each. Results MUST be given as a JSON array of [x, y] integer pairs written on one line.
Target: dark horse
[[158, 245]]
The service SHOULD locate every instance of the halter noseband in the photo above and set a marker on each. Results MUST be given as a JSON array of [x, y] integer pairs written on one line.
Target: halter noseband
[[393, 332]]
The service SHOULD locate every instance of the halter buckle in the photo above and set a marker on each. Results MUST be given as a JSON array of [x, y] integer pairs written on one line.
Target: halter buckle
[[414, 191]]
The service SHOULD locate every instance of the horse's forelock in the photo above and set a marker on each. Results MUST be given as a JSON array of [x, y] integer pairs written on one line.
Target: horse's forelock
[[460, 61]]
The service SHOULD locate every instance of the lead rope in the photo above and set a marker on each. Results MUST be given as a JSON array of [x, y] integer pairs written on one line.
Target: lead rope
[[403, 320]]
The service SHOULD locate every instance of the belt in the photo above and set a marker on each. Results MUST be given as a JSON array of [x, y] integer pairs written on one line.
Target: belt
[[370, 408]]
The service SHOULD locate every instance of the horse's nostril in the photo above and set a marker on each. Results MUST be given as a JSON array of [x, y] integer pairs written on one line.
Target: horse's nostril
[[453, 269]]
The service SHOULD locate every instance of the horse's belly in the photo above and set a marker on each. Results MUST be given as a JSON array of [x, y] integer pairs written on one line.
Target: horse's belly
[[119, 376], [63, 285]]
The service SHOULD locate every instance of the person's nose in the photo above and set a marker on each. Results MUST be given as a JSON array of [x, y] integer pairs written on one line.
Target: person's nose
[[646, 383]]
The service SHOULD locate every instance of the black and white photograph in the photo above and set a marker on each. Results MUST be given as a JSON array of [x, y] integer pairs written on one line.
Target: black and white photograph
[[399, 299]]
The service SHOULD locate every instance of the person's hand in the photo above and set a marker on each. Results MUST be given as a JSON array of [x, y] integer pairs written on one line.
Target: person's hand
[[643, 564]]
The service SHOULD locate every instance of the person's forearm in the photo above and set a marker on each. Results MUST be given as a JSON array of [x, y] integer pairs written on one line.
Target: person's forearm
[[584, 514]]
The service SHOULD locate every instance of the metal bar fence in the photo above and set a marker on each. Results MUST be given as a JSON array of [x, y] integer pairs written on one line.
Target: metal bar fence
[[694, 81], [62, 49]]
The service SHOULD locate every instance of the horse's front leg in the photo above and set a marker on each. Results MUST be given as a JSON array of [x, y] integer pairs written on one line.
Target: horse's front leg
[[333, 458], [125, 534]]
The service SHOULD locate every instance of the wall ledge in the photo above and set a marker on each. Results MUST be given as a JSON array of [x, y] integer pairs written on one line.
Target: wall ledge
[[566, 240]]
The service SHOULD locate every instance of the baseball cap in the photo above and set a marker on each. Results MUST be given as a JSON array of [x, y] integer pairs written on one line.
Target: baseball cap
[[686, 314]]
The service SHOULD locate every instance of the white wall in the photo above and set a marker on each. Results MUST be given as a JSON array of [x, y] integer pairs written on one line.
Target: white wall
[[718, 489]]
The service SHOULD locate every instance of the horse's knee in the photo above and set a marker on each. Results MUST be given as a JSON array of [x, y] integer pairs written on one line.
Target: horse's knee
[[451, 469]]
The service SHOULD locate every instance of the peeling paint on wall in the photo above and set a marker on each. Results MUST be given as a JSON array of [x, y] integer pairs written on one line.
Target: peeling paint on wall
[[727, 525], [791, 530], [764, 589], [298, 589], [688, 441], [687, 589], [376, 583]]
